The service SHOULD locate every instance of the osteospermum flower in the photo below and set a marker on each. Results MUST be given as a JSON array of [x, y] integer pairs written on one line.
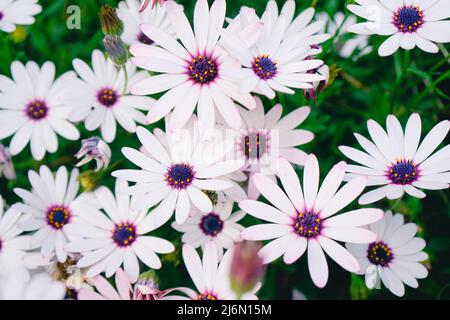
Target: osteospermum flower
[[408, 23], [218, 226], [23, 286], [264, 138], [33, 108], [128, 12], [337, 26], [394, 256], [52, 205], [119, 237], [276, 59], [173, 178], [13, 244], [397, 162], [212, 278], [142, 290], [17, 12], [195, 73], [102, 96], [303, 219]]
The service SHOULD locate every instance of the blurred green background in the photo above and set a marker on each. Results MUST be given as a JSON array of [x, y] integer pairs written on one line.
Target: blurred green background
[[369, 88]]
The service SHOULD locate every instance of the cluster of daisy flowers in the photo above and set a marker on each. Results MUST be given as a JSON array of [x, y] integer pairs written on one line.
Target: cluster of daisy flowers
[[220, 157]]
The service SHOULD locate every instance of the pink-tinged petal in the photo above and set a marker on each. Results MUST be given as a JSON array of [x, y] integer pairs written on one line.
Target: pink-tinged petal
[[183, 207], [264, 211], [403, 234], [123, 284], [183, 111], [310, 181], [362, 158], [432, 30], [216, 20], [158, 83], [131, 265], [355, 218], [167, 102], [294, 155], [350, 234], [293, 138], [416, 269], [182, 26], [374, 195], [201, 18], [344, 196], [296, 249], [219, 169], [162, 213], [194, 266], [200, 199], [226, 107], [210, 262], [413, 246], [430, 185], [432, 140], [274, 194], [404, 276], [381, 139], [395, 285], [212, 184], [276, 248], [412, 135], [372, 149], [390, 45], [165, 40], [106, 289], [89, 294], [146, 255], [330, 185], [317, 264], [153, 146], [266, 231], [339, 254], [291, 183], [146, 163], [394, 191]]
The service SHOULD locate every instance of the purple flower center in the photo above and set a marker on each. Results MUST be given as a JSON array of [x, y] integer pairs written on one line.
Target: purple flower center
[[379, 254], [124, 234], [71, 294], [1, 15], [211, 224], [36, 109], [1, 245], [408, 18], [264, 67], [142, 38], [207, 296], [107, 97], [403, 172], [179, 176], [58, 216], [203, 69], [255, 144], [308, 224]]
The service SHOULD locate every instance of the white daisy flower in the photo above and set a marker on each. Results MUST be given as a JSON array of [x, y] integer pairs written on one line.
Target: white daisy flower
[[23, 286], [172, 178], [17, 12], [394, 257], [264, 138], [212, 278], [119, 237], [274, 51], [52, 205], [218, 226], [33, 108], [13, 245], [129, 12], [303, 219], [396, 162], [408, 23], [195, 73], [102, 96], [338, 26]]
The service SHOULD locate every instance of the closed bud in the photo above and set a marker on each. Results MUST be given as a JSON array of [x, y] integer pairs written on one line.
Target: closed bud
[[6, 164], [247, 267], [89, 181], [96, 149], [116, 49], [110, 22]]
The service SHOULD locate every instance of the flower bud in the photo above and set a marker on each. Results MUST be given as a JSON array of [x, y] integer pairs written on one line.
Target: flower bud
[[247, 267], [6, 164], [110, 22], [154, 2], [89, 181], [116, 49], [96, 149]]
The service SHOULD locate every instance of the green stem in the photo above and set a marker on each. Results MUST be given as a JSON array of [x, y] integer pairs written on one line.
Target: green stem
[[396, 203], [125, 87]]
